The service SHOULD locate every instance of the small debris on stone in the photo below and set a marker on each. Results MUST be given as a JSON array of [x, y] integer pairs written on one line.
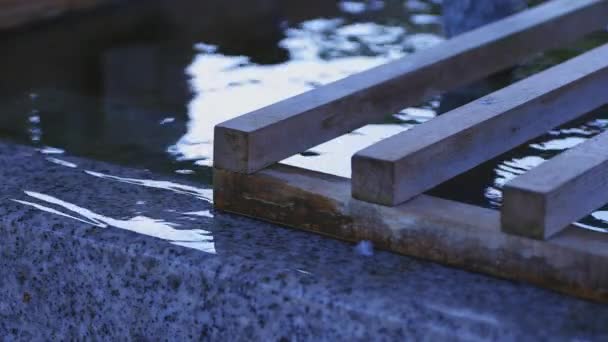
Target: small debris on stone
[[365, 248]]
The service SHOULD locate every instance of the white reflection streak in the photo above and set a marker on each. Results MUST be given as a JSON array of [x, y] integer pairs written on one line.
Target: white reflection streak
[[200, 193], [334, 155], [61, 162], [192, 238], [559, 144], [51, 150], [57, 212], [203, 213], [600, 215], [586, 226]]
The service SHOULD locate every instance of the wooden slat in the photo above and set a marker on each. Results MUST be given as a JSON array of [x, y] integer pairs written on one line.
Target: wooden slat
[[407, 164], [547, 199], [260, 138], [444, 231]]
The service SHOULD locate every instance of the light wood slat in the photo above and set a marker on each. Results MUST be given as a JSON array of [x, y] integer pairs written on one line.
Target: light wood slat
[[260, 138], [405, 165], [548, 198]]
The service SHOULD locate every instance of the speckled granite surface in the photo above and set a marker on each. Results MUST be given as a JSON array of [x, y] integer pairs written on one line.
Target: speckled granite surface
[[89, 250]]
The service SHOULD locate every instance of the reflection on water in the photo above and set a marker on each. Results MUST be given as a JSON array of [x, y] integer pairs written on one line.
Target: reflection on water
[[200, 193], [51, 150], [144, 84], [61, 162], [192, 238], [333, 157], [202, 213], [320, 51], [551, 144]]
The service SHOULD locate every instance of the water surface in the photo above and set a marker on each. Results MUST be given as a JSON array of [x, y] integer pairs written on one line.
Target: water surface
[[144, 84]]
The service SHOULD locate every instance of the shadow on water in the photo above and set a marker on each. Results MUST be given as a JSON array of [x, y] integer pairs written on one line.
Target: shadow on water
[[112, 85], [143, 84]]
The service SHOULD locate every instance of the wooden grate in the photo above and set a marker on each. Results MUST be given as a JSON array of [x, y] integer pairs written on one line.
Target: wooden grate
[[531, 239]]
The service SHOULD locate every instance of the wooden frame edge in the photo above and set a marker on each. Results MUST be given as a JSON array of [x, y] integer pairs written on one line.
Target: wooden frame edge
[[448, 232]]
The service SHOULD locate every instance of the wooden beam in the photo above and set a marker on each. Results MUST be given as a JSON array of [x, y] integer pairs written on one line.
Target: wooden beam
[[427, 227], [547, 199], [407, 164], [258, 139]]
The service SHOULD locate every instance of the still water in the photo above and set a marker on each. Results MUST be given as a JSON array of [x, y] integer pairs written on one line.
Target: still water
[[144, 84]]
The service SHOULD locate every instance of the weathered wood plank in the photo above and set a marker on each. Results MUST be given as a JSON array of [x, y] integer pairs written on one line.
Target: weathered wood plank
[[268, 135], [448, 232], [407, 164], [547, 199]]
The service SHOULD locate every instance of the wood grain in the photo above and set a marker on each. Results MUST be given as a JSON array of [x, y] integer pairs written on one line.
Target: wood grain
[[427, 227], [547, 199], [405, 165], [253, 141]]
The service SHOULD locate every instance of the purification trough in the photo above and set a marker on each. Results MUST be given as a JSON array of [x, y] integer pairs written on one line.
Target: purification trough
[[530, 239], [92, 250]]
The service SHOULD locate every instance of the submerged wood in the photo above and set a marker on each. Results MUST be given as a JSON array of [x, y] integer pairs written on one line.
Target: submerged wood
[[443, 231]]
